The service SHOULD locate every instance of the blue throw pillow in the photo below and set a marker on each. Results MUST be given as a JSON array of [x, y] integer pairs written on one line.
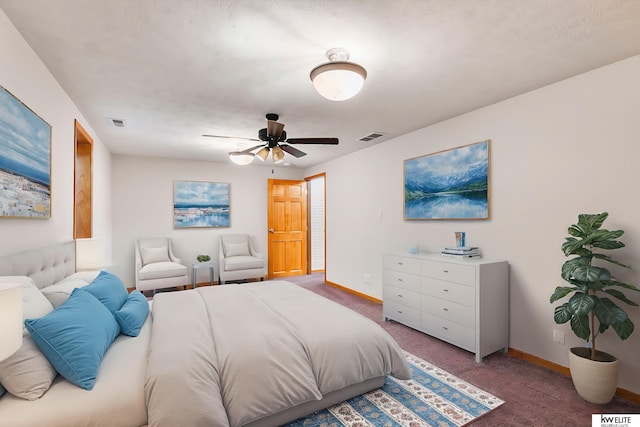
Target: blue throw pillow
[[133, 313], [75, 336], [109, 290]]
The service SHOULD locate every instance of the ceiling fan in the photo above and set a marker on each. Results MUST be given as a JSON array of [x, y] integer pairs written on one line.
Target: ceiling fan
[[274, 139]]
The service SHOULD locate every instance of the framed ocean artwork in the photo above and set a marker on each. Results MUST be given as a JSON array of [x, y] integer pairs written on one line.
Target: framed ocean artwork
[[200, 204], [25, 160], [450, 184]]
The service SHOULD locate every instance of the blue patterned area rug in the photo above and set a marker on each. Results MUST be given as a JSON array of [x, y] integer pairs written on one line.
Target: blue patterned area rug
[[433, 397]]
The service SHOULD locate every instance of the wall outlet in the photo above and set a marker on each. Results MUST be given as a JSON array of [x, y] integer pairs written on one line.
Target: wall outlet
[[558, 336], [367, 278]]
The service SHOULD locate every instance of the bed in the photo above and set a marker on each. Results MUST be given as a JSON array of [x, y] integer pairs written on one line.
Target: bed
[[260, 354], [256, 354]]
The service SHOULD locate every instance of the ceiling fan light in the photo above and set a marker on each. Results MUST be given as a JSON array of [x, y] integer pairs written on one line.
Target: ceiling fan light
[[263, 153], [277, 154], [338, 81], [240, 158]]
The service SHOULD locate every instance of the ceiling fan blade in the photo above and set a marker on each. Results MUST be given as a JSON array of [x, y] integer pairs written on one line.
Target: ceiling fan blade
[[326, 141], [230, 137], [248, 150], [293, 151], [274, 128]]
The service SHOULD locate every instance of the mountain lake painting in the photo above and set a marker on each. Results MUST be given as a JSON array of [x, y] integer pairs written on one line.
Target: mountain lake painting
[[200, 204], [452, 184]]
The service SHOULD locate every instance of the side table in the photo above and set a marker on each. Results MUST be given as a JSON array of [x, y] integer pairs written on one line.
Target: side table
[[195, 266]]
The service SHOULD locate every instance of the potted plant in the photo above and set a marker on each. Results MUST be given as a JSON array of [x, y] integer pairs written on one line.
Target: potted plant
[[203, 258], [590, 308]]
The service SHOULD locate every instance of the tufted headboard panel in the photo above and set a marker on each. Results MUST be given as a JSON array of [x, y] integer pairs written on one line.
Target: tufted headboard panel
[[45, 266]]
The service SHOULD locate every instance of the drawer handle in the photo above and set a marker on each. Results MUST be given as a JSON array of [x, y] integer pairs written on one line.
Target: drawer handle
[[400, 311], [399, 280], [445, 309], [445, 328], [400, 263], [400, 295], [445, 290], [445, 271]]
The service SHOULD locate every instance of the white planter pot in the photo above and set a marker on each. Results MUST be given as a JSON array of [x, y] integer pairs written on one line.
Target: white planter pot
[[595, 381]]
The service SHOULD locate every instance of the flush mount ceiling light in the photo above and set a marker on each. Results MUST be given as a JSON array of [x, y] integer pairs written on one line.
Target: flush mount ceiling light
[[338, 79]]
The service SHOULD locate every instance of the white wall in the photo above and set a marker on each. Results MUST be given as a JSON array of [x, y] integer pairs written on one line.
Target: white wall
[[143, 206], [25, 76], [565, 149]]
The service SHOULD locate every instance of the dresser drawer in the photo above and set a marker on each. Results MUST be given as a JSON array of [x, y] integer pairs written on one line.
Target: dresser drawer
[[401, 296], [461, 294], [402, 264], [401, 313], [449, 331], [458, 273], [401, 280], [458, 313]]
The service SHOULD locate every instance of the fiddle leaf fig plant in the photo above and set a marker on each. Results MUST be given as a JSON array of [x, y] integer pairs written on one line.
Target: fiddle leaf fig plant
[[592, 287]]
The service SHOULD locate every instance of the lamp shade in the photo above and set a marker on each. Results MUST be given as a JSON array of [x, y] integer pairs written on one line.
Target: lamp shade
[[263, 153], [241, 158], [92, 254], [10, 319], [338, 81], [277, 154]]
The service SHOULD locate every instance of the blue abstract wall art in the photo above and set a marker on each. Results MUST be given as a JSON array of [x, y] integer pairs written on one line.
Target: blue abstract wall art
[[451, 184], [200, 204], [25, 160]]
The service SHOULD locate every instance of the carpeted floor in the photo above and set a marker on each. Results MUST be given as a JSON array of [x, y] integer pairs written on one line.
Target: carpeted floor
[[533, 395]]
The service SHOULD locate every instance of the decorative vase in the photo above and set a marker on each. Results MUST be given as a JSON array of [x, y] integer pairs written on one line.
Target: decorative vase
[[596, 381]]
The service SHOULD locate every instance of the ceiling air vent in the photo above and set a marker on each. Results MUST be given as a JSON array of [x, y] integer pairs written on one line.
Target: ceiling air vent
[[371, 136], [118, 122]]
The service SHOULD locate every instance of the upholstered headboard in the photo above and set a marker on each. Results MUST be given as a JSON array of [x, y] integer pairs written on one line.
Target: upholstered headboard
[[45, 266]]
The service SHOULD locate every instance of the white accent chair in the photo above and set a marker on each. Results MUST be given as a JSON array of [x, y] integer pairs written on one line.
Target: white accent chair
[[238, 260], [156, 265]]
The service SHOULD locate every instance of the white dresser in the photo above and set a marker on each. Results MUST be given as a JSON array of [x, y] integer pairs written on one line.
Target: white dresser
[[462, 301]]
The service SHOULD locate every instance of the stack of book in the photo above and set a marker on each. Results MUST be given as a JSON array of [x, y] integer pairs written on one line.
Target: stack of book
[[461, 252]]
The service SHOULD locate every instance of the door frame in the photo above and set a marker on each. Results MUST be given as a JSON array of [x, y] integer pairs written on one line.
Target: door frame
[[82, 183]]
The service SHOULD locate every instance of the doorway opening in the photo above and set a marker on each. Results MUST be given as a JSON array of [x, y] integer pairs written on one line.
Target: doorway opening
[[316, 223]]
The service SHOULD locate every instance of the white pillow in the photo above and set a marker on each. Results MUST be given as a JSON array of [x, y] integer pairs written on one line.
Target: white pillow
[[236, 249], [150, 255], [27, 373], [34, 303]]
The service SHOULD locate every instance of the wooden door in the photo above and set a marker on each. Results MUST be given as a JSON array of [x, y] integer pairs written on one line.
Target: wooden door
[[287, 222]]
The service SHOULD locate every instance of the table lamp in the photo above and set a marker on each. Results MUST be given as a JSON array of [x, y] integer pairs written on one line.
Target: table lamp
[[92, 254], [10, 319]]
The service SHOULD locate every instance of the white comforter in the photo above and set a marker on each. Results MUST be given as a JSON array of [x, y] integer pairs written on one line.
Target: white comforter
[[233, 355]]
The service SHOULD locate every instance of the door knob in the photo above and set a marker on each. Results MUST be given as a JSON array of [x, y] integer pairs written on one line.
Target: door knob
[[271, 230]]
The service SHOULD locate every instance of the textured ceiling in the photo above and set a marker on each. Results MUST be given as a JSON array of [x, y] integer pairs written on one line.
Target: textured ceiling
[[174, 70]]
